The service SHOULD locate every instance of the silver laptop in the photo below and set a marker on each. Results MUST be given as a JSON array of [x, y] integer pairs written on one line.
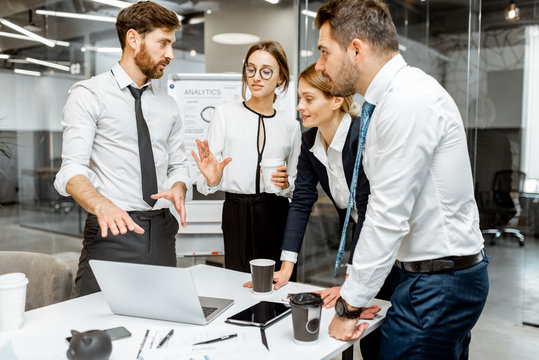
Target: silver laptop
[[155, 292]]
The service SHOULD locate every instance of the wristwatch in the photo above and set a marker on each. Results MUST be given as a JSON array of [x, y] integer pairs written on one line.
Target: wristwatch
[[342, 310]]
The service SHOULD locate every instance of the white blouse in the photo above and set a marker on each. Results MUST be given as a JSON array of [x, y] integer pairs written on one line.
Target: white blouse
[[233, 132]]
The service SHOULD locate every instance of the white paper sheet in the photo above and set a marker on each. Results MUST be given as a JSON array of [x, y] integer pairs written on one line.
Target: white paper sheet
[[247, 345]]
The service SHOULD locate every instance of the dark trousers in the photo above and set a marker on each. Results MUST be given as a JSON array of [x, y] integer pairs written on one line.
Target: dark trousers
[[157, 246], [253, 227], [432, 314], [370, 344]]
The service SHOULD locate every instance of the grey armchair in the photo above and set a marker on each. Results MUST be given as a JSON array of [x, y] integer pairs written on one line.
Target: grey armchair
[[49, 279]]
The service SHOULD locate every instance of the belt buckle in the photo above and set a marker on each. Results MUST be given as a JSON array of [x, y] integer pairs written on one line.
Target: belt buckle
[[443, 265]]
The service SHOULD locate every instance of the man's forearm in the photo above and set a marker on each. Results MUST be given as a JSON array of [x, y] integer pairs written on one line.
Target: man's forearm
[[84, 193]]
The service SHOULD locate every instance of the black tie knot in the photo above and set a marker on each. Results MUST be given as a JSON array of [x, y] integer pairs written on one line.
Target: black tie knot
[[137, 93]]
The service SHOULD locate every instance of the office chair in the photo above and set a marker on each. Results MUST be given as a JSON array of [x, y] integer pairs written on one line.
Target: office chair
[[49, 279], [498, 208]]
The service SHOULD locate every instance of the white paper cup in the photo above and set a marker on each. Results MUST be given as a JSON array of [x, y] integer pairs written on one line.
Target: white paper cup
[[12, 300], [268, 167]]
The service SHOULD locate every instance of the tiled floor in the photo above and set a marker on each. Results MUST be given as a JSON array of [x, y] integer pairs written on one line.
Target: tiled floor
[[499, 334]]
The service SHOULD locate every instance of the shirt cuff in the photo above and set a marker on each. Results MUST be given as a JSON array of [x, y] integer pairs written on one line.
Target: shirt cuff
[[291, 256], [350, 293], [68, 172], [203, 188]]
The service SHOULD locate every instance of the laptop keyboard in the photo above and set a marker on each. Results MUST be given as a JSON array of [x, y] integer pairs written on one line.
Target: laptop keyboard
[[208, 310]]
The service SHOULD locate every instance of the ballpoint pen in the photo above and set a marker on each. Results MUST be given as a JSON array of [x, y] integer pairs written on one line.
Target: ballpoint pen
[[166, 338], [225, 337], [143, 342]]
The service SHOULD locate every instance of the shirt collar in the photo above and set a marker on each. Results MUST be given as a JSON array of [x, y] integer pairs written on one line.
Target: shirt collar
[[381, 81], [124, 80], [339, 139], [340, 135]]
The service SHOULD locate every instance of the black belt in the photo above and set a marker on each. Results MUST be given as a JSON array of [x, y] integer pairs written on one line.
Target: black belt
[[442, 264]]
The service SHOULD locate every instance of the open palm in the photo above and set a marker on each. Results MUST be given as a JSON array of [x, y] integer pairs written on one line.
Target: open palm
[[208, 164]]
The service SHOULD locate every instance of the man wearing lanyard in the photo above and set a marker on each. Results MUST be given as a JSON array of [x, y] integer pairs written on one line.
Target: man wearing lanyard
[[123, 156], [421, 214]]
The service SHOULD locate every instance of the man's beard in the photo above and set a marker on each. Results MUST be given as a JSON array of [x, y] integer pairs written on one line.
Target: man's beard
[[346, 80], [144, 61]]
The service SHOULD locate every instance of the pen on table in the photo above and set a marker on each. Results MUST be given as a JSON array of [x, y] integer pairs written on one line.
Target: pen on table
[[143, 342], [225, 337], [165, 339]]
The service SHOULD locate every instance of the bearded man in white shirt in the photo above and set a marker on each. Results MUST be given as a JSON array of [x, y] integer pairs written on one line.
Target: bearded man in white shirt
[[421, 215], [123, 155]]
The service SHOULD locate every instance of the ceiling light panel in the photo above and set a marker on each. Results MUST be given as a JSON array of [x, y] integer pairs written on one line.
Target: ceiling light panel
[[26, 32], [24, 37], [27, 72], [47, 63], [235, 38], [109, 19], [115, 3]]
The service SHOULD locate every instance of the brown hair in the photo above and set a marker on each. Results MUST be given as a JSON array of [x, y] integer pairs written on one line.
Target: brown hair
[[277, 51], [317, 80], [144, 17], [368, 20]]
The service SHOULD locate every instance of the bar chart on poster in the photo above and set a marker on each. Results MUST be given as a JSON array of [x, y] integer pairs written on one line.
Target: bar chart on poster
[[197, 96]]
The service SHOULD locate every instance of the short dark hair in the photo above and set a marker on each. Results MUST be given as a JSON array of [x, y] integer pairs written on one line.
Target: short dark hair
[[144, 17], [277, 51], [368, 20]]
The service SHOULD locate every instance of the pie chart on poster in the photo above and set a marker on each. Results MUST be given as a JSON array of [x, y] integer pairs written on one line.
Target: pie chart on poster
[[207, 113]]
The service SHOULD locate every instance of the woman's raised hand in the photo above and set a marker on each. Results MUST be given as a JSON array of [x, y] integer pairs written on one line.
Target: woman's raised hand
[[208, 164]]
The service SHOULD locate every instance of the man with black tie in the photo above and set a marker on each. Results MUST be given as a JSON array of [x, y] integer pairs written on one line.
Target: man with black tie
[[123, 156], [421, 215]]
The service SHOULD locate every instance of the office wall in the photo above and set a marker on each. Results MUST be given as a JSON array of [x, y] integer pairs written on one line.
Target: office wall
[[270, 22]]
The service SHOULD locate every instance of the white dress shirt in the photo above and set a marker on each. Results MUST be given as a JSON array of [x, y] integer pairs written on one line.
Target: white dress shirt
[[100, 139], [233, 132], [422, 202], [332, 160]]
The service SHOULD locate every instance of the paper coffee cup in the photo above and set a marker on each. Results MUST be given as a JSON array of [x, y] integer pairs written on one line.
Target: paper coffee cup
[[306, 311], [262, 275], [268, 167], [12, 300]]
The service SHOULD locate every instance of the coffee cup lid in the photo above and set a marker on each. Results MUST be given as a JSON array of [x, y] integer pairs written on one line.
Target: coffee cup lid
[[12, 280], [271, 162], [306, 299]]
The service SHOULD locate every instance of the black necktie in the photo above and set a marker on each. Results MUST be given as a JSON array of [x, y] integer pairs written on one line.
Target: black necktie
[[147, 164]]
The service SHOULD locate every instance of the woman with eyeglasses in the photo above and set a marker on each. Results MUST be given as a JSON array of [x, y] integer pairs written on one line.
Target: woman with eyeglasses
[[241, 136]]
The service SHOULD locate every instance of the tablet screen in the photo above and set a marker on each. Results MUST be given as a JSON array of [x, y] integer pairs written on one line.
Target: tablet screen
[[261, 314]]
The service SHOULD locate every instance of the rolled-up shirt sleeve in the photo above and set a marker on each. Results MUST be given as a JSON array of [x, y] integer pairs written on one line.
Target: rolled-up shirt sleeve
[[79, 124], [178, 170], [216, 142]]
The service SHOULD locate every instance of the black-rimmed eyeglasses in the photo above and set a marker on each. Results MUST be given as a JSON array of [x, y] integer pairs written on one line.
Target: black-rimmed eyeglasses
[[265, 72]]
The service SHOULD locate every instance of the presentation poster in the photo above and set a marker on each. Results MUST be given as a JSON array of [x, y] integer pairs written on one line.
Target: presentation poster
[[197, 96]]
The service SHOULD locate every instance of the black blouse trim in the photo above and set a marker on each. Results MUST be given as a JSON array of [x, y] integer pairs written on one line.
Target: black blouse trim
[[259, 114]]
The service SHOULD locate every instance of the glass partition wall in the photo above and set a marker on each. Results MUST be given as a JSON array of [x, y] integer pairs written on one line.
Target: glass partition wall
[[485, 60], [35, 76]]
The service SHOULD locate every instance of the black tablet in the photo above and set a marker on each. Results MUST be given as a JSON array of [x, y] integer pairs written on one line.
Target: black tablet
[[262, 314]]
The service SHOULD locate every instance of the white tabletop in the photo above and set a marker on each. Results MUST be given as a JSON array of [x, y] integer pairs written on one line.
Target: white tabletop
[[92, 312]]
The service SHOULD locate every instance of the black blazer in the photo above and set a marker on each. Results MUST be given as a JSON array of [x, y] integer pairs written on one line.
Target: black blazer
[[310, 173]]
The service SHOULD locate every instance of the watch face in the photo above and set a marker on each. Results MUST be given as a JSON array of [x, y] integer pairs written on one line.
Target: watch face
[[339, 307]]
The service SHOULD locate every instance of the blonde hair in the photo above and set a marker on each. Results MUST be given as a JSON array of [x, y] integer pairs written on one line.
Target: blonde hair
[[277, 51], [316, 79]]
